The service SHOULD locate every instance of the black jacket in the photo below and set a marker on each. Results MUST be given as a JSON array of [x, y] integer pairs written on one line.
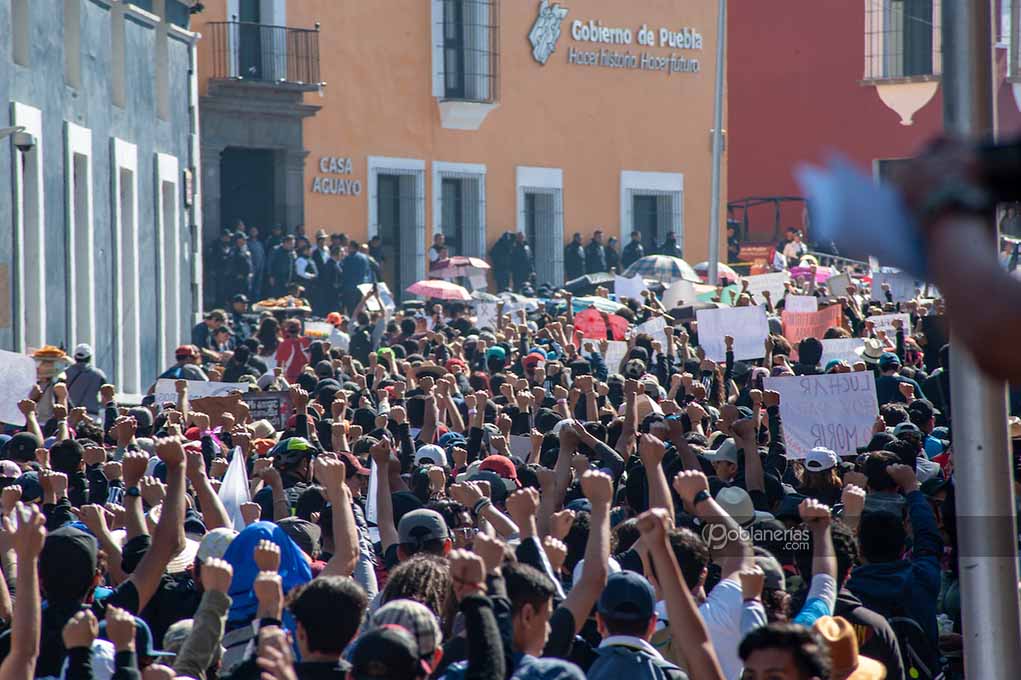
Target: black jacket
[[595, 258], [574, 261], [632, 252]]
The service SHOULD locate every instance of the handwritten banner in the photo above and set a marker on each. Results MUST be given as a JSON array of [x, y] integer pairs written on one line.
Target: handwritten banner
[[747, 325], [842, 349], [835, 410], [165, 390], [17, 378], [800, 325], [884, 322], [903, 287], [801, 303]]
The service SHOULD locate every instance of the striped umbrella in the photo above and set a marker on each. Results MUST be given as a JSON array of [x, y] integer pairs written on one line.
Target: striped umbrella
[[662, 268], [600, 303], [439, 290]]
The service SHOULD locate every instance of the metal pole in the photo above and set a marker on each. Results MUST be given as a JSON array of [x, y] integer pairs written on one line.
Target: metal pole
[[714, 209], [987, 537]]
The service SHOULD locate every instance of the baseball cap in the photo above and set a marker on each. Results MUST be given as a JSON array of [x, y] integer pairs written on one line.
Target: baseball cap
[[177, 635], [502, 466], [82, 351], [143, 638], [185, 351], [877, 443], [415, 618], [547, 668], [240, 297], [496, 352], [770, 566], [627, 596], [67, 551], [923, 408], [354, 466], [906, 427], [727, 452], [334, 318], [430, 453], [419, 526], [21, 447], [215, 543], [305, 534], [820, 458], [888, 359], [387, 653]]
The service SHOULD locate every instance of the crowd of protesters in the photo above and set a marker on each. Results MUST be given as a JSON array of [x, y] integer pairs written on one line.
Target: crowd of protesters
[[495, 502]]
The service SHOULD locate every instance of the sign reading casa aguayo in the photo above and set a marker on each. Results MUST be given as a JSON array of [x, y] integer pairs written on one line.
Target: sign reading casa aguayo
[[336, 186], [547, 28]]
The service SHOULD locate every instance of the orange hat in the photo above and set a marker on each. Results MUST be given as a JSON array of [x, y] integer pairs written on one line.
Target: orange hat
[[334, 318], [262, 446], [847, 664], [186, 351]]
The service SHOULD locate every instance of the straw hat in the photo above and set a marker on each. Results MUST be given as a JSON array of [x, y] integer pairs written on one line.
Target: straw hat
[[847, 664]]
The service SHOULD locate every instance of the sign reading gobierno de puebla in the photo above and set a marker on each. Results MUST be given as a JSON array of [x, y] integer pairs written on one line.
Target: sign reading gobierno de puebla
[[602, 44]]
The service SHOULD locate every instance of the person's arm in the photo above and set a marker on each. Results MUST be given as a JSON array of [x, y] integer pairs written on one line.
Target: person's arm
[[682, 611], [94, 517], [598, 488], [168, 537], [380, 453], [607, 457], [27, 408], [27, 538], [689, 459], [754, 476], [652, 451], [693, 488], [133, 465], [485, 647], [79, 633], [203, 643], [927, 542], [822, 594], [120, 629], [628, 433], [331, 474], [214, 514], [470, 494]]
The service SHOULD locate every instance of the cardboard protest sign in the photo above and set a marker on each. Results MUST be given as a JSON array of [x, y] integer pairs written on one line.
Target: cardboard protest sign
[[774, 283], [272, 406], [17, 377], [629, 288], [215, 407], [371, 305], [679, 293], [615, 352], [800, 325], [655, 328], [520, 446], [747, 325], [801, 303], [884, 322], [486, 315], [165, 390], [839, 284], [903, 287], [836, 410], [842, 349]]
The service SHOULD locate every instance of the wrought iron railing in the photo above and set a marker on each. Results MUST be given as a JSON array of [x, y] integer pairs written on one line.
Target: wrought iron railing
[[249, 51]]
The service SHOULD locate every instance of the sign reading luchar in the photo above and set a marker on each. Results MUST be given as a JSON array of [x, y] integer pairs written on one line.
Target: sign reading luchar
[[835, 410]]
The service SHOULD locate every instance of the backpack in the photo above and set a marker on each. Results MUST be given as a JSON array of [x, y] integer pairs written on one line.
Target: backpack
[[921, 660], [616, 662]]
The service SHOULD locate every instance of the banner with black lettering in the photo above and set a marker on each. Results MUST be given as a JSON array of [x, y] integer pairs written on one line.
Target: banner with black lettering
[[836, 410]]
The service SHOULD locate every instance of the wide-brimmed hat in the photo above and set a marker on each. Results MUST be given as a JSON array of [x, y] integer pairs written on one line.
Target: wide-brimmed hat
[[873, 352], [843, 645]]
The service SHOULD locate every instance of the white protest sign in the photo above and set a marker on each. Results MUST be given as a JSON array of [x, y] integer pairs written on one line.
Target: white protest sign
[[679, 293], [655, 328], [884, 322], [486, 315], [318, 329], [835, 410], [370, 495], [839, 284], [873, 263], [801, 303], [842, 349], [520, 446], [371, 305], [478, 281], [17, 377], [197, 389], [616, 350], [903, 287], [774, 283], [747, 325], [629, 288]]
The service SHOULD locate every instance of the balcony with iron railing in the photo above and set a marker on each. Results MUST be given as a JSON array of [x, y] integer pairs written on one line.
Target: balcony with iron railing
[[279, 56]]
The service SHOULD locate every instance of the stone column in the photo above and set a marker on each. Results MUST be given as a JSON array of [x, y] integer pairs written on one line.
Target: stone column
[[294, 187], [211, 215]]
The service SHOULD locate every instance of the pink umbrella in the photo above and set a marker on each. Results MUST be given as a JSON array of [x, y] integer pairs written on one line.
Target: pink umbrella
[[439, 290], [822, 274], [724, 271], [453, 267]]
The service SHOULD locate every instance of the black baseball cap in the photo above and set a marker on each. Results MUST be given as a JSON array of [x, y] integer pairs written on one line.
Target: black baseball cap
[[21, 447], [923, 408], [388, 653], [627, 596], [240, 297]]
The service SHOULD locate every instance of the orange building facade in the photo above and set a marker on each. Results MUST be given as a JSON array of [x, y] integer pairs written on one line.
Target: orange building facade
[[405, 118]]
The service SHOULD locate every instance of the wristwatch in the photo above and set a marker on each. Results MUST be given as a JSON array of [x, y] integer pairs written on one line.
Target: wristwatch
[[702, 495], [133, 491]]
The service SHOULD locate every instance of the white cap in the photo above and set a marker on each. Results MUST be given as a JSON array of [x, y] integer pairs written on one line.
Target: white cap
[[820, 458], [431, 452], [83, 351]]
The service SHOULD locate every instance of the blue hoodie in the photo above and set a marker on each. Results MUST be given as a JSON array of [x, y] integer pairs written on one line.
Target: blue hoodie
[[294, 570], [907, 587]]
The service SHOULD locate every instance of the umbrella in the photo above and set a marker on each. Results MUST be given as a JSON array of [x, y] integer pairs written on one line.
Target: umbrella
[[453, 267], [483, 296], [600, 303], [662, 268], [519, 301], [724, 272], [439, 290], [588, 283], [822, 273], [592, 324]]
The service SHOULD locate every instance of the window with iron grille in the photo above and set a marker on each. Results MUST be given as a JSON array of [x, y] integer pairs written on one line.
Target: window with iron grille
[[902, 39], [543, 221], [397, 216], [654, 214], [467, 34], [461, 208]]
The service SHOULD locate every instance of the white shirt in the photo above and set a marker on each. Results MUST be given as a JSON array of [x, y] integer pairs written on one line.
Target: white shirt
[[722, 612], [340, 339], [926, 469], [301, 268]]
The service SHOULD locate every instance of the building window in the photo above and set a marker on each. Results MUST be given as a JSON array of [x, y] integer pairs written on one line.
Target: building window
[[652, 203], [117, 51], [168, 264], [21, 27], [72, 43], [884, 169], [29, 235], [397, 217], [80, 252], [127, 366], [902, 39], [541, 218], [459, 207], [162, 62], [466, 49]]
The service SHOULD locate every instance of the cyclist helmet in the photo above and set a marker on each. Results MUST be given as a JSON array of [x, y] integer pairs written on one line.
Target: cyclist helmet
[[290, 452]]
